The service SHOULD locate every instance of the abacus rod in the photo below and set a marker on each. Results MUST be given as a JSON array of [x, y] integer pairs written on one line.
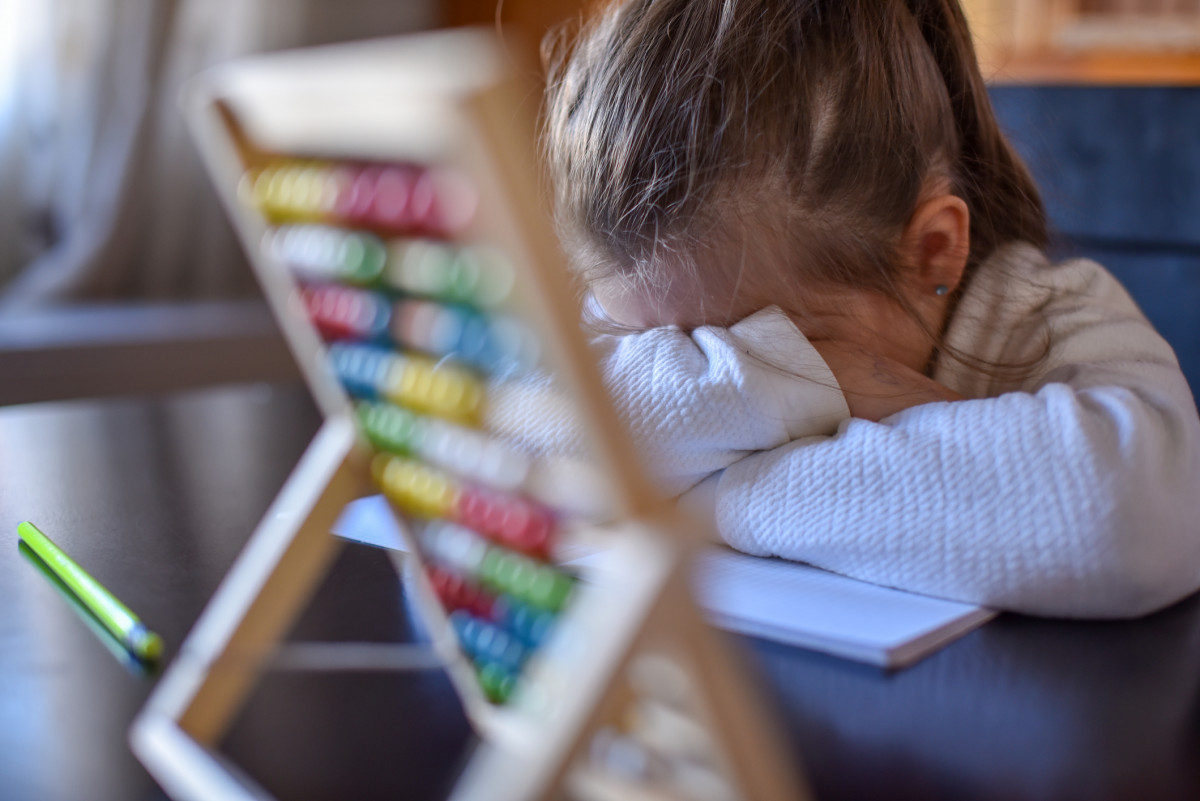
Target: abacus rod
[[507, 163]]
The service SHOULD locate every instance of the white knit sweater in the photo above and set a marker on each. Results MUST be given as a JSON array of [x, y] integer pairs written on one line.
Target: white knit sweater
[[1073, 492]]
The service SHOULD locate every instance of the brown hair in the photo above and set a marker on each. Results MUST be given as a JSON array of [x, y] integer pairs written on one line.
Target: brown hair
[[671, 126]]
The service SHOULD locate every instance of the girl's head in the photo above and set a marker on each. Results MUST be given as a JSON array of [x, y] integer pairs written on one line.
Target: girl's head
[[711, 157]]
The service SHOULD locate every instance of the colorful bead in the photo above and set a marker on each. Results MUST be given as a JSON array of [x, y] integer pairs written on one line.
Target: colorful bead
[[472, 455], [391, 207], [356, 197], [497, 683], [492, 344], [441, 331], [390, 428], [403, 199], [458, 548], [525, 579], [337, 181], [548, 588], [419, 266], [488, 643], [324, 253], [363, 369], [390, 197], [463, 451], [342, 313], [477, 276], [530, 624], [510, 520], [516, 348], [440, 390], [482, 276], [443, 202], [456, 592], [414, 487], [485, 542], [289, 191]]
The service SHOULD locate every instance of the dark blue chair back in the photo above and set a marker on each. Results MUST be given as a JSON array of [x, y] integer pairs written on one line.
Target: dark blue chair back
[[1119, 169]]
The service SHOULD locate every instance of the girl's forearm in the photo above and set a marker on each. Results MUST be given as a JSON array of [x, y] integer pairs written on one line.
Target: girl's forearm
[[1063, 502], [877, 387]]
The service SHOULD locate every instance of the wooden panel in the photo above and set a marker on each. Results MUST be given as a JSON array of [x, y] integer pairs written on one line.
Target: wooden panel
[[1141, 42], [1096, 69]]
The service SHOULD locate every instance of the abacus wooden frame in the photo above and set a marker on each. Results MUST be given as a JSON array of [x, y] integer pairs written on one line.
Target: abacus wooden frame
[[488, 124]]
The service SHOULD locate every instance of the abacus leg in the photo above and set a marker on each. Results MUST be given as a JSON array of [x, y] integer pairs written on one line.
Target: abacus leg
[[253, 608]]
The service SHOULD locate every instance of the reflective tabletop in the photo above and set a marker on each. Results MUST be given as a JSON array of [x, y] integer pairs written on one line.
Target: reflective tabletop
[[156, 496]]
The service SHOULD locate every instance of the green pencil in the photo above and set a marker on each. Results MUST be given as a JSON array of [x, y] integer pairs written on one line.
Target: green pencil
[[115, 616]]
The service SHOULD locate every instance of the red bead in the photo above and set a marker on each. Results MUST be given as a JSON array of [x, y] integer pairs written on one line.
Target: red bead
[[494, 519], [443, 202], [340, 313], [392, 199], [424, 201], [515, 521], [510, 520], [325, 315], [478, 601], [536, 535], [470, 506], [357, 198], [457, 592]]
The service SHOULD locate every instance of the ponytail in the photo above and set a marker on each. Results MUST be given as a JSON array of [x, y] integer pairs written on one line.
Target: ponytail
[[1004, 200]]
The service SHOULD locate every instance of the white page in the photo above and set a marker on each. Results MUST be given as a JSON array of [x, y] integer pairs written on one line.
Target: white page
[[802, 605], [775, 600]]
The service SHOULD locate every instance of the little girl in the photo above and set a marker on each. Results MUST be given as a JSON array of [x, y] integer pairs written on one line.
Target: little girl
[[817, 268]]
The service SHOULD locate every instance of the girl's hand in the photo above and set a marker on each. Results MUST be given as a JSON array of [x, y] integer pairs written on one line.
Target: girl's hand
[[875, 386]]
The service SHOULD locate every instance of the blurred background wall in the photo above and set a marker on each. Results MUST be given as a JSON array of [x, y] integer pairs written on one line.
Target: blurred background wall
[[106, 214], [102, 193]]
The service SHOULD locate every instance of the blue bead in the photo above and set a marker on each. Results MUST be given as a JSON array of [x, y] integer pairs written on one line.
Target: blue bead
[[361, 368]]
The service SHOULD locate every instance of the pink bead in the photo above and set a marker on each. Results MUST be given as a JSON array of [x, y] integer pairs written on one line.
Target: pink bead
[[358, 196], [510, 520], [392, 200]]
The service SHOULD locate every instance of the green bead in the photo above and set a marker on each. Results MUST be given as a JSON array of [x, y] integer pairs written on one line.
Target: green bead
[[549, 590], [490, 565], [389, 428], [362, 258], [524, 576], [505, 572], [463, 277], [497, 683]]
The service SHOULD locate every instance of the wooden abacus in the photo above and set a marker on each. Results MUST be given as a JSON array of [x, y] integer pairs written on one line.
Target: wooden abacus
[[386, 194]]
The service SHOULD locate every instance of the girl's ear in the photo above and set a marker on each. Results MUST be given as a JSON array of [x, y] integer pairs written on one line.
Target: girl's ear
[[937, 243]]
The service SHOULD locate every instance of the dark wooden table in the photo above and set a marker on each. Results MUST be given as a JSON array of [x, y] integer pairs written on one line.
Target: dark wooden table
[[156, 497]]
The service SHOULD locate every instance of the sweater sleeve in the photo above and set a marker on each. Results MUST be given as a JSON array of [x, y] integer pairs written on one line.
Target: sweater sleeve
[[696, 402], [1078, 495]]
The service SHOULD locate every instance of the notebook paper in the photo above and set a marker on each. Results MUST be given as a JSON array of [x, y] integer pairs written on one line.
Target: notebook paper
[[777, 600], [812, 608]]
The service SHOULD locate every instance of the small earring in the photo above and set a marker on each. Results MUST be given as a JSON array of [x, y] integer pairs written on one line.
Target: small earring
[[941, 289]]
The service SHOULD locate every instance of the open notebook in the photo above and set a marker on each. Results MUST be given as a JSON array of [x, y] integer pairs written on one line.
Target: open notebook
[[777, 600]]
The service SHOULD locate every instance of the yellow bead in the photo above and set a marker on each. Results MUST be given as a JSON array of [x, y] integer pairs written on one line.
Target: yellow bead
[[414, 487], [275, 193], [334, 183], [443, 391], [310, 182], [286, 189], [260, 191]]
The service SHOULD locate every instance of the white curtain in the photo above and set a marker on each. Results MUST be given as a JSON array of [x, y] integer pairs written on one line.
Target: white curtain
[[101, 192]]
